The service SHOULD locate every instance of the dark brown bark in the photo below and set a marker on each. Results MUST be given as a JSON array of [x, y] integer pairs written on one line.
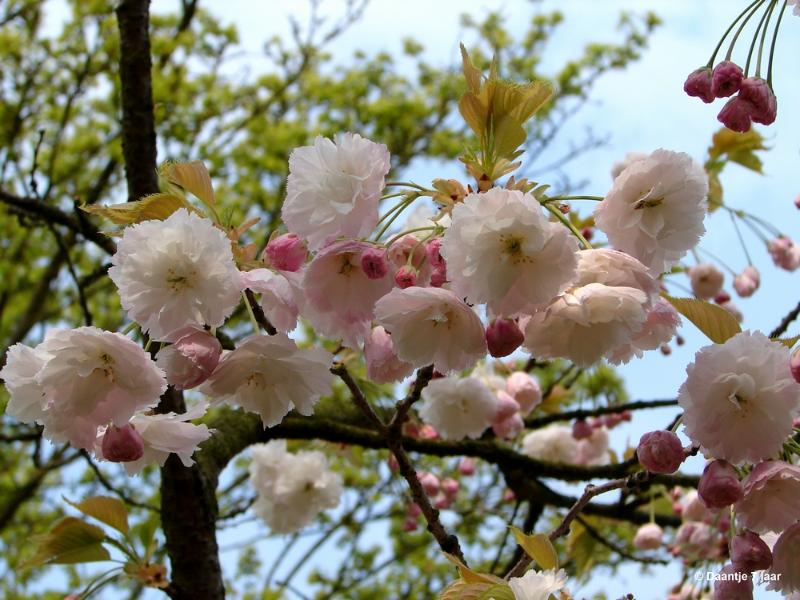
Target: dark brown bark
[[138, 124], [188, 501]]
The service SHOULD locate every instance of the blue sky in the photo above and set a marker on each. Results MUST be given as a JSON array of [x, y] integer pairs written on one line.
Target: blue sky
[[642, 108]]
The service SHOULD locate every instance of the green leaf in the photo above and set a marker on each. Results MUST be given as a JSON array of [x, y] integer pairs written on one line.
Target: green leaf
[[788, 342], [729, 142], [474, 113], [747, 159], [717, 323], [471, 73], [105, 509], [470, 576], [71, 541], [580, 548], [501, 591], [714, 191], [192, 177], [153, 207], [539, 547]]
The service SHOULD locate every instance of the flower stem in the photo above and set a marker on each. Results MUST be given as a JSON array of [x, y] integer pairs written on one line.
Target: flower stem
[[252, 316], [406, 232], [557, 214], [764, 36], [560, 198], [755, 38], [741, 239], [741, 27], [727, 31], [772, 46]]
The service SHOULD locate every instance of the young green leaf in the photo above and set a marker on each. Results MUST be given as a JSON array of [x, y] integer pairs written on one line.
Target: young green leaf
[[717, 323], [539, 547], [105, 509]]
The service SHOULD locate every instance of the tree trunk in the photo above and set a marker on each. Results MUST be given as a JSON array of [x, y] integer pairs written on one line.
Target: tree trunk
[[188, 500]]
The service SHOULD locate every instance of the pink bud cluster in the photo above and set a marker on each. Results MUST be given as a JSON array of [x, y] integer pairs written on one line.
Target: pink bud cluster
[[754, 102]]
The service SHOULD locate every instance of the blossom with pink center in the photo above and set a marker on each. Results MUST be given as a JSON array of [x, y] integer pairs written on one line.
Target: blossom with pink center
[[458, 408], [784, 252], [587, 323], [655, 209], [525, 390], [706, 280], [658, 329], [739, 398], [660, 452], [337, 296], [771, 500], [270, 375], [169, 433], [286, 252], [719, 485], [619, 166], [786, 562], [383, 366], [747, 282], [334, 188], [174, 273], [432, 325], [750, 553], [503, 336], [278, 295], [85, 378], [27, 401], [122, 444], [698, 84], [553, 443], [648, 537], [190, 359], [593, 450], [726, 79], [502, 251]]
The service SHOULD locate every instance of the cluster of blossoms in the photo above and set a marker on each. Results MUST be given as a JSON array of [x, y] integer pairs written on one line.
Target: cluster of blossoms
[[755, 100], [293, 488], [740, 402]]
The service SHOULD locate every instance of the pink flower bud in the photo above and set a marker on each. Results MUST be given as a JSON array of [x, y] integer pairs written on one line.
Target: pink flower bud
[[750, 553], [747, 282], [442, 502], [581, 430], [438, 276], [427, 432], [450, 487], [797, 203], [413, 510], [506, 407], [719, 485], [665, 349], [722, 297], [726, 79], [698, 84], [784, 252], [503, 336], [648, 537], [122, 444], [191, 359], [660, 451], [736, 115], [612, 420], [430, 483], [759, 95], [286, 252], [437, 262], [706, 280], [679, 340], [509, 428], [405, 277], [587, 233], [733, 585], [525, 390], [794, 365], [373, 263], [509, 496], [393, 464], [410, 525], [466, 466]]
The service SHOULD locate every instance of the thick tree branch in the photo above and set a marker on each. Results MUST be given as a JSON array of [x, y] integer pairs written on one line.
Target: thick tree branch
[[538, 422]]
